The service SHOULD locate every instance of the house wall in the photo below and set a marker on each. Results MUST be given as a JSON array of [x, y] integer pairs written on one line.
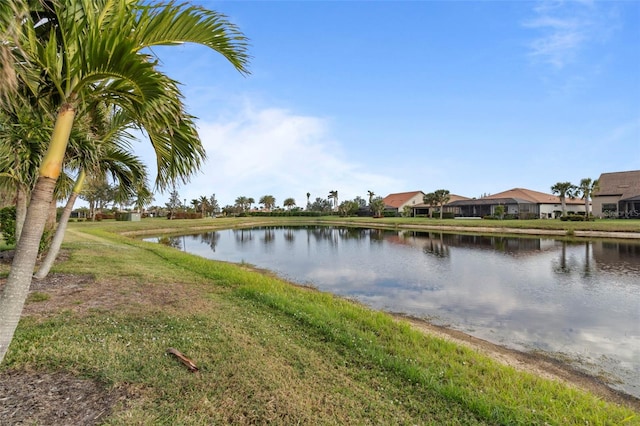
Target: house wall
[[416, 199], [548, 211], [600, 201]]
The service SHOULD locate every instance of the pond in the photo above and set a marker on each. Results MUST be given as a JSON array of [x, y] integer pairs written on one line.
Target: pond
[[577, 301]]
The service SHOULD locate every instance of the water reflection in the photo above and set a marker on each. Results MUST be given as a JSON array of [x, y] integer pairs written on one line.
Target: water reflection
[[580, 299]]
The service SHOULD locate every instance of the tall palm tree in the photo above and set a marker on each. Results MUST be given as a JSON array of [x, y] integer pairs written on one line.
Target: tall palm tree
[[564, 190], [99, 51], [585, 190], [371, 194], [102, 148], [125, 169]]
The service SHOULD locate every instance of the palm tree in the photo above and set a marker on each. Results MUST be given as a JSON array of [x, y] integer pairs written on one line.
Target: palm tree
[[430, 199], [289, 203], [308, 203], [371, 194], [377, 206], [442, 197], [586, 188], [203, 201], [268, 201], [125, 168], [23, 135], [564, 190], [102, 149], [89, 58], [243, 203]]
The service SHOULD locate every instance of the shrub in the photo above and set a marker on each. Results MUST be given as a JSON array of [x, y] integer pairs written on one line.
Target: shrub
[[8, 224]]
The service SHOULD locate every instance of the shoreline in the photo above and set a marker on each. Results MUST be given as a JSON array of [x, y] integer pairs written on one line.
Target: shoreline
[[537, 363], [497, 230]]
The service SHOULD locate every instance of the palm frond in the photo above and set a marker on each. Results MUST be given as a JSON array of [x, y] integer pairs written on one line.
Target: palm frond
[[171, 23]]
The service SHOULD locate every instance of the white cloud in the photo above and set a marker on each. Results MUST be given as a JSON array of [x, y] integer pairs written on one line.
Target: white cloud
[[273, 151], [565, 29]]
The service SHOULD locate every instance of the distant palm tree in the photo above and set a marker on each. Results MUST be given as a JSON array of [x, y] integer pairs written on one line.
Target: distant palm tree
[[564, 190], [585, 190], [242, 202], [377, 206], [371, 194], [268, 201], [204, 204], [289, 203]]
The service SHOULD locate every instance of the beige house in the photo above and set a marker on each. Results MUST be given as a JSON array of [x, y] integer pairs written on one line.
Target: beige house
[[520, 202], [618, 195], [399, 200]]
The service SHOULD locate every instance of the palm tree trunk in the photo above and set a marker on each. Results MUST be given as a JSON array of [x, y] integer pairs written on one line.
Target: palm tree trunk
[[56, 243], [586, 206], [21, 209], [18, 282], [51, 214], [17, 287]]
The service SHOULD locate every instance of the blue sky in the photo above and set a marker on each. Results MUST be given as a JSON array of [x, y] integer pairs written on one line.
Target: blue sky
[[389, 96]]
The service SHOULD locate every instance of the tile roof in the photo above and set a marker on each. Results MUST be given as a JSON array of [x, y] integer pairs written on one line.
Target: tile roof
[[624, 184], [399, 198], [531, 196]]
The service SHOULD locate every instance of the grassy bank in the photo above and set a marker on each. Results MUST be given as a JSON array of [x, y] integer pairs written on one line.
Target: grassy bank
[[159, 225], [268, 352]]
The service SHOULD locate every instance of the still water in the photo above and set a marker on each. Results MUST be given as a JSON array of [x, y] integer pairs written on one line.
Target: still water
[[574, 300]]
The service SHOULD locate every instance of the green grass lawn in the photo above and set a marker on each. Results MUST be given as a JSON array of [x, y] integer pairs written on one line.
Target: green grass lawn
[[155, 225], [269, 352]]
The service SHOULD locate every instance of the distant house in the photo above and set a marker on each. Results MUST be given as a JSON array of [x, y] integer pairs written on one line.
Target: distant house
[[618, 195], [396, 202], [520, 202], [422, 209]]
